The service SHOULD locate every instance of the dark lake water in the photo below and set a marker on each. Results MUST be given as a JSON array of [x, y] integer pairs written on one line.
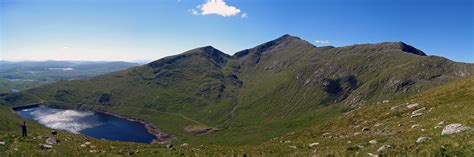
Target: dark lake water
[[93, 124]]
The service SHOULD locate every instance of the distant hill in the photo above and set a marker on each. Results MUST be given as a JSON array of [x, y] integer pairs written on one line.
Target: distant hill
[[17, 76], [256, 94]]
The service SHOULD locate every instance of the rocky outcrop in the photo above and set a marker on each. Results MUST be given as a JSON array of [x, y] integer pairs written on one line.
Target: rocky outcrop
[[454, 129]]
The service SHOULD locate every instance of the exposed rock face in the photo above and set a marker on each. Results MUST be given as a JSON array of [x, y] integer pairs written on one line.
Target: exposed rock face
[[454, 128]]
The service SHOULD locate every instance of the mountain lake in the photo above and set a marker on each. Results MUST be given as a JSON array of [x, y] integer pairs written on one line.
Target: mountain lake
[[94, 124]]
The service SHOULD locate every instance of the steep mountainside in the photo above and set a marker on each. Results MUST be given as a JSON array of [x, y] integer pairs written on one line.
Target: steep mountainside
[[262, 92]]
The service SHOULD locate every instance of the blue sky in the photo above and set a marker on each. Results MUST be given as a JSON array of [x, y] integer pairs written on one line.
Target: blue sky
[[151, 29]]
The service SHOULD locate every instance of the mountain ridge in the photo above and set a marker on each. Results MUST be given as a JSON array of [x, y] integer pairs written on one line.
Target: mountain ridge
[[269, 90]]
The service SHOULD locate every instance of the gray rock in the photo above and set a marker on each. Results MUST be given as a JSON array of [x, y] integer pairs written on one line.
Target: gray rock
[[412, 105], [46, 146], [372, 155], [311, 145], [454, 128], [373, 141], [384, 147], [418, 112], [294, 147], [2, 143], [422, 139], [394, 107], [415, 126], [51, 141]]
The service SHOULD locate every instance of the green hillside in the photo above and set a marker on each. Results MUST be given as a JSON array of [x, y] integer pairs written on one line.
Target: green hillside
[[389, 124], [257, 94]]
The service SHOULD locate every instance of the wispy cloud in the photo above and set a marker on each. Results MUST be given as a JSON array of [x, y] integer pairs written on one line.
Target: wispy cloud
[[322, 42], [218, 7]]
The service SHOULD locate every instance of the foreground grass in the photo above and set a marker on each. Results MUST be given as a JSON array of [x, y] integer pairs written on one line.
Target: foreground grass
[[392, 124]]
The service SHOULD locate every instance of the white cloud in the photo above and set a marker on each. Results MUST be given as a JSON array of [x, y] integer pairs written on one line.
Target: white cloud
[[218, 7], [321, 42], [244, 15]]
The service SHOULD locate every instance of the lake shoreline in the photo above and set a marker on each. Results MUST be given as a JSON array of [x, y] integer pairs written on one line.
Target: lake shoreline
[[160, 137]]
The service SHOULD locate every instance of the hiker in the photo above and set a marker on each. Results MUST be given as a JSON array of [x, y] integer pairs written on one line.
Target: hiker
[[24, 129]]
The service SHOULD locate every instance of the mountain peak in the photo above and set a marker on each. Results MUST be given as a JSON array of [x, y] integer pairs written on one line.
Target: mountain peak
[[210, 52], [281, 41], [400, 46], [288, 37]]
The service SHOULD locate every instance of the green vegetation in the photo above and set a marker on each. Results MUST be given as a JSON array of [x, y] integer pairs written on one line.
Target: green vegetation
[[391, 123], [271, 90]]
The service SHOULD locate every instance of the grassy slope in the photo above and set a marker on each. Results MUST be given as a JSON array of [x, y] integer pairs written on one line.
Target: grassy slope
[[277, 87], [452, 103]]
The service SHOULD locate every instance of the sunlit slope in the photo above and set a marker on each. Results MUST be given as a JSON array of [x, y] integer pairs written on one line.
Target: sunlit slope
[[394, 124]]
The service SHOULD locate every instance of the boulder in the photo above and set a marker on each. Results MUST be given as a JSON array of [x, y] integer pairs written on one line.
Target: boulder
[[372, 155], [418, 112], [294, 147], [87, 143], [454, 128], [422, 139], [46, 146], [184, 145], [311, 145], [415, 126], [412, 105], [2, 143], [373, 141], [51, 141], [384, 147], [394, 107]]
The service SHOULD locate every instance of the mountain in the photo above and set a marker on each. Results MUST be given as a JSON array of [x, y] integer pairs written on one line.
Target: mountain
[[204, 96]]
